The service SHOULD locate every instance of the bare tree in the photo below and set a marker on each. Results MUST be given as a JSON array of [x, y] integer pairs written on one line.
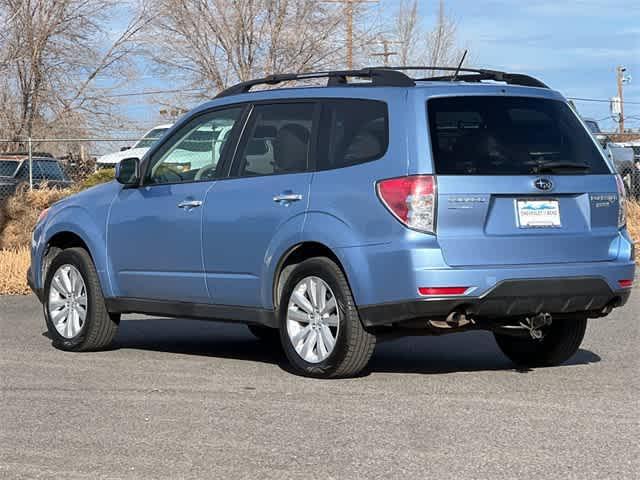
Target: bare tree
[[60, 62], [422, 44], [441, 47], [406, 28], [214, 43]]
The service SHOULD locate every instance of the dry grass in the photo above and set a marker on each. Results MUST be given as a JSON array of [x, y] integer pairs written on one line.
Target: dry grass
[[14, 264], [18, 215], [633, 220]]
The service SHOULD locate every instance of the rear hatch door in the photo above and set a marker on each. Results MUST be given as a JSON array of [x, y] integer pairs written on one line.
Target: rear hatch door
[[520, 181]]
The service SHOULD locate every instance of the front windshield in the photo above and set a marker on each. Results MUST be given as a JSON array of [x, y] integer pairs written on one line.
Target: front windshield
[[8, 167], [150, 138], [592, 126]]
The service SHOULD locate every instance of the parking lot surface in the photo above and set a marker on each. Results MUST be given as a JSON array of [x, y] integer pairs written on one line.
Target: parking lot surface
[[193, 399]]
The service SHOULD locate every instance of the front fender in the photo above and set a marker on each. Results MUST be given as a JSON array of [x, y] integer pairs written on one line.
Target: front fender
[[77, 220]]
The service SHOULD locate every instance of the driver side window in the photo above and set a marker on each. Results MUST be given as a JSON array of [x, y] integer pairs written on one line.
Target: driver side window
[[194, 156]]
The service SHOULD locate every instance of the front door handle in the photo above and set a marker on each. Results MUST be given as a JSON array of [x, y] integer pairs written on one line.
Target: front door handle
[[190, 204], [287, 197]]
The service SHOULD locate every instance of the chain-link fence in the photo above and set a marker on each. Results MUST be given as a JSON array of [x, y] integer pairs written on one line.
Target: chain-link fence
[[626, 159], [56, 162]]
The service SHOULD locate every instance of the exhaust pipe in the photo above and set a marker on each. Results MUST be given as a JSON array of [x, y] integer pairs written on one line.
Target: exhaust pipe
[[456, 319]]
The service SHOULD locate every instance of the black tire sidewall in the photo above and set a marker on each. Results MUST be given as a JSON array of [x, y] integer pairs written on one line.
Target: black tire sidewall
[[70, 257], [320, 268], [561, 342]]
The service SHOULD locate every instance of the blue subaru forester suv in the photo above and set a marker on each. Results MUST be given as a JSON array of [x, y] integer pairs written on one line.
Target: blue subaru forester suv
[[329, 217]]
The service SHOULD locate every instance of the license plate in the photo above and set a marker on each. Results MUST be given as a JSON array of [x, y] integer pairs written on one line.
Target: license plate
[[538, 213]]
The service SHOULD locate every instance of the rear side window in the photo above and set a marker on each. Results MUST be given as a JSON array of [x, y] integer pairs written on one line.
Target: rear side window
[[353, 132], [509, 136], [278, 140]]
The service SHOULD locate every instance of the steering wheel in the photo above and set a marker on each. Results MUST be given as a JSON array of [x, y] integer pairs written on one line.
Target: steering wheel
[[206, 171], [168, 174]]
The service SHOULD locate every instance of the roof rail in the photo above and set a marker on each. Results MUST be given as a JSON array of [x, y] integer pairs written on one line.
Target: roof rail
[[381, 77], [389, 77], [476, 75]]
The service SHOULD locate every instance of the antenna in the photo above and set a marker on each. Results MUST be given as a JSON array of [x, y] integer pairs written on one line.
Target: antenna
[[455, 75]]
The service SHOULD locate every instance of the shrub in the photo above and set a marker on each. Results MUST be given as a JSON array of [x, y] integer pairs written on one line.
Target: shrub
[[19, 213], [101, 176]]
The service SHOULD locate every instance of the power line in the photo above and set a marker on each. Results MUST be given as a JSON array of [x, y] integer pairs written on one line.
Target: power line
[[602, 100], [153, 92]]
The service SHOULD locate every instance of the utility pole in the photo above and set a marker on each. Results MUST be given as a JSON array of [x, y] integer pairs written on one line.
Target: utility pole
[[621, 79], [349, 14], [386, 53]]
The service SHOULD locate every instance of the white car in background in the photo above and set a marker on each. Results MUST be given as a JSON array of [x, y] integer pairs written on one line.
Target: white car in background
[[137, 150], [622, 157]]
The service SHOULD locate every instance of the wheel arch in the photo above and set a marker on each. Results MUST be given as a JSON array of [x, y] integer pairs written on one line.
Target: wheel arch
[[295, 255]]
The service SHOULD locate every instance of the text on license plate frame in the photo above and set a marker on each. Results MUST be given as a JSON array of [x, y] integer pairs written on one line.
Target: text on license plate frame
[[538, 213]]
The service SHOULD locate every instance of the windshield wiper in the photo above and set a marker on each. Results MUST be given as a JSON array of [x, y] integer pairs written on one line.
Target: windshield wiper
[[550, 167]]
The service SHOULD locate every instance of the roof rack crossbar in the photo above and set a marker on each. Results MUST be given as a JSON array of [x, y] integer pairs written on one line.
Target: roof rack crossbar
[[379, 77]]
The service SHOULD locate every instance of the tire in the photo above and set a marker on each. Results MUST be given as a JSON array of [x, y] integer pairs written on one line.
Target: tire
[[98, 329], [352, 344], [560, 342], [265, 334]]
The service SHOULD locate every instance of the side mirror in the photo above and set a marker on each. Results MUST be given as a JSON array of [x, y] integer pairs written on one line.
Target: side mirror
[[128, 171], [122, 149]]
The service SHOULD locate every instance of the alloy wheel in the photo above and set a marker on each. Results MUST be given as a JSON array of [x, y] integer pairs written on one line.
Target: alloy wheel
[[67, 302], [313, 319]]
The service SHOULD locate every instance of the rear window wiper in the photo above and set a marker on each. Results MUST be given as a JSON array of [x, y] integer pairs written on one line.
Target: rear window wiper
[[550, 167]]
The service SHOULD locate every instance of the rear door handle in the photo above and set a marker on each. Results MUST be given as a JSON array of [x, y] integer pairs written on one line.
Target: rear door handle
[[287, 197], [190, 204]]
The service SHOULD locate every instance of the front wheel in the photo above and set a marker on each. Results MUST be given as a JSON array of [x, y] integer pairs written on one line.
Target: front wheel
[[559, 343], [320, 328], [74, 308]]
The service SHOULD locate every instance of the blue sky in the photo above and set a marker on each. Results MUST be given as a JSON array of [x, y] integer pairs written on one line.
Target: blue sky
[[574, 46]]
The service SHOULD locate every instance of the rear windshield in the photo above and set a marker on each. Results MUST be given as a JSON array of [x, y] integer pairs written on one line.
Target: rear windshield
[[509, 136]]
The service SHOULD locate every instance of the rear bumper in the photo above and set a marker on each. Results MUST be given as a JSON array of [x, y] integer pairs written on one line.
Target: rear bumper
[[509, 298]]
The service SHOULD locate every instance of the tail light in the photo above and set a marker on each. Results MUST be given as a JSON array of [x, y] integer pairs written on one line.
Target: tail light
[[622, 202], [412, 200], [627, 283]]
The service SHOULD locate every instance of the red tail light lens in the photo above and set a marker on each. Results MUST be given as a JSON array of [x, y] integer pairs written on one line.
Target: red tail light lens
[[442, 290], [412, 200], [627, 283]]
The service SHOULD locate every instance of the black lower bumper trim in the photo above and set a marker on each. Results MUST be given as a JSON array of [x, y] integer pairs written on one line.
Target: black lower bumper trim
[[510, 298], [229, 313]]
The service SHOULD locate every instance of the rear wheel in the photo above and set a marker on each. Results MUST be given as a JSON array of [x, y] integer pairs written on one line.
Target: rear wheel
[[559, 343], [320, 328], [74, 308]]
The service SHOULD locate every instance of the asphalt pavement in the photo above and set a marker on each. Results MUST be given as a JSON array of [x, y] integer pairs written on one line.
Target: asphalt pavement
[[193, 399]]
